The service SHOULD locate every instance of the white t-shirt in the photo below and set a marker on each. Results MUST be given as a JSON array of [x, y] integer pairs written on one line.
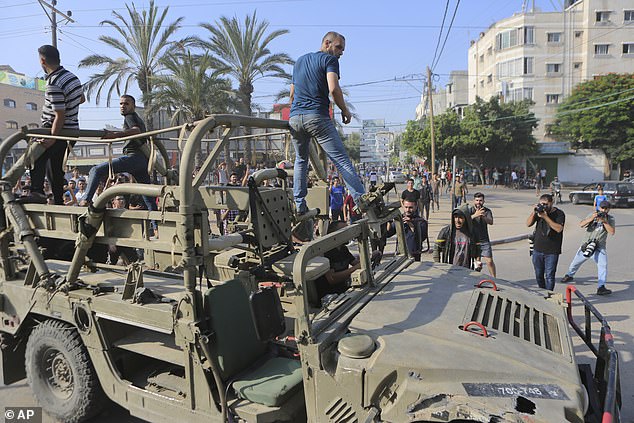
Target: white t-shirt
[[373, 177]]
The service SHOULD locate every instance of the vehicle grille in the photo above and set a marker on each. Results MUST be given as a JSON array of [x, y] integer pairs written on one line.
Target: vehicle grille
[[517, 319], [340, 411]]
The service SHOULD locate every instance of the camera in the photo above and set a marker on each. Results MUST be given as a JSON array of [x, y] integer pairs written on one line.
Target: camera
[[531, 244], [540, 208], [589, 248], [602, 215]]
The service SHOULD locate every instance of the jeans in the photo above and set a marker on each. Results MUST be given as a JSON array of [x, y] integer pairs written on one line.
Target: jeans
[[322, 128], [600, 257], [545, 267], [55, 155], [135, 165]]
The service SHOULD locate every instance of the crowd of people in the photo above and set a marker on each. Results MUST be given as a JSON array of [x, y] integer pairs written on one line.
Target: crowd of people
[[464, 242]]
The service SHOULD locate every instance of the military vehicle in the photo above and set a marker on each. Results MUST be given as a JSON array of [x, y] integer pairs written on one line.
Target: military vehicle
[[230, 328]]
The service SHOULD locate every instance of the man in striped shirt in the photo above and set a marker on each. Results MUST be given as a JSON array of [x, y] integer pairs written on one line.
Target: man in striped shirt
[[61, 111]]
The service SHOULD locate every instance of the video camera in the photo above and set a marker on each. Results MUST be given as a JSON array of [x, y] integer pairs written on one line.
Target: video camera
[[540, 208], [602, 215]]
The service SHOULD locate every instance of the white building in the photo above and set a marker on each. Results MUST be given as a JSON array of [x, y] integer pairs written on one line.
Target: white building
[[454, 96], [542, 56]]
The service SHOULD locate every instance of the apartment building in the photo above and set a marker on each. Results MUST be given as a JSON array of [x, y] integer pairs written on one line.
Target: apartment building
[[22, 100], [542, 56], [454, 96]]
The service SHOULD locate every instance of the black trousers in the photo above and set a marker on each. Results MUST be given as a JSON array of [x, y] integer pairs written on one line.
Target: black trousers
[[55, 155]]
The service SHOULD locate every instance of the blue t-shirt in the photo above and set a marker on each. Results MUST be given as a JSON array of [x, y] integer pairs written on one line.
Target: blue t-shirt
[[336, 197], [598, 198], [311, 85]]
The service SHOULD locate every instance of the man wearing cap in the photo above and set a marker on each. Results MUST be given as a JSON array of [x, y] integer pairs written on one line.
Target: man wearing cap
[[598, 225], [455, 243]]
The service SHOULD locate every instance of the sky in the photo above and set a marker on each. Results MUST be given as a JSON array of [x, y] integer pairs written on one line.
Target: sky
[[388, 41]]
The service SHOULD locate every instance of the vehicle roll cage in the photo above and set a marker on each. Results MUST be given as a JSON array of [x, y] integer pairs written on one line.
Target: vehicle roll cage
[[185, 192]]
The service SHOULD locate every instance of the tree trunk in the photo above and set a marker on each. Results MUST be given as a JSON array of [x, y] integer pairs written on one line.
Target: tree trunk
[[246, 89]]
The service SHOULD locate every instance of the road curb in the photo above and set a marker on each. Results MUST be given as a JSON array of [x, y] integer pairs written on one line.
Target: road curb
[[509, 239]]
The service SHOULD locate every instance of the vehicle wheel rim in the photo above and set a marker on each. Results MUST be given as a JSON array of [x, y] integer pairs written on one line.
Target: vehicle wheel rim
[[58, 373]]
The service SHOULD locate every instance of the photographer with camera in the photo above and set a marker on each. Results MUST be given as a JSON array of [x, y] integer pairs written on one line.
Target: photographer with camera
[[549, 229], [598, 225], [415, 228]]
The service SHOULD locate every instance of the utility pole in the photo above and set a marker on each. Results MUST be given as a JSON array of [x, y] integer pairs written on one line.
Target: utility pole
[[52, 16], [431, 122]]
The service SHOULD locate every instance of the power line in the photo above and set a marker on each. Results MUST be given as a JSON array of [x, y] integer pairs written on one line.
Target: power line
[[446, 36], [442, 26]]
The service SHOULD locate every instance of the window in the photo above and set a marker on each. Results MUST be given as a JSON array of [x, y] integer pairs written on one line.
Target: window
[[449, 88], [489, 78], [577, 65], [514, 37], [490, 51], [519, 94], [33, 125], [9, 103], [628, 16], [553, 37], [552, 98], [528, 66], [482, 82], [578, 34], [31, 106], [515, 67], [529, 35], [11, 124], [601, 49], [602, 16], [481, 58], [553, 68], [628, 48]]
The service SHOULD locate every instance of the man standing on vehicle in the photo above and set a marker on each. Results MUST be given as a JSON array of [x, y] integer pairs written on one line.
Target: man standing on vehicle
[[62, 98], [315, 77], [133, 160], [482, 217], [549, 229], [598, 225]]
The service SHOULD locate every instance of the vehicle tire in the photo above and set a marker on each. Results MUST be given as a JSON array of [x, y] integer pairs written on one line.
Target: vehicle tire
[[574, 199], [60, 374]]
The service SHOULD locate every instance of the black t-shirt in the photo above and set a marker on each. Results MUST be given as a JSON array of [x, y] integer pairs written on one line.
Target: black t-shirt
[[133, 147], [548, 241], [480, 226], [412, 196], [340, 259]]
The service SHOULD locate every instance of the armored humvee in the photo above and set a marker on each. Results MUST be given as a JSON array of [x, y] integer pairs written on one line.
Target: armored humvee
[[230, 328]]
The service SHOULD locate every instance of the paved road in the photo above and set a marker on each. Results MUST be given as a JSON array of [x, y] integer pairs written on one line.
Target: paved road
[[510, 210]]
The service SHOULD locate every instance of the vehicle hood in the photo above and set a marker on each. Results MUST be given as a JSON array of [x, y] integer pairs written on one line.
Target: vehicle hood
[[426, 367]]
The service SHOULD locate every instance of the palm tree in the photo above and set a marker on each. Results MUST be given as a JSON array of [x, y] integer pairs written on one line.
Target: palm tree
[[192, 89], [144, 43], [243, 51]]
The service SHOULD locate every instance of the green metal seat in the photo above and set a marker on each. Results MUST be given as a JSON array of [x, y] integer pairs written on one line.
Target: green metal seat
[[240, 355]]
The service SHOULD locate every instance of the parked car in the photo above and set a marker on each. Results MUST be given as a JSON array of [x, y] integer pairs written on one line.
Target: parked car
[[619, 193], [396, 177]]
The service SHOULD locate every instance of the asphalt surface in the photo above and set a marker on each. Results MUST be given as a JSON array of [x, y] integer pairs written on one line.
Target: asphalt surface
[[510, 210]]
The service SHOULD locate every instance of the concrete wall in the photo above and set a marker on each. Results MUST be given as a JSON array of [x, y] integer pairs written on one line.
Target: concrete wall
[[585, 166]]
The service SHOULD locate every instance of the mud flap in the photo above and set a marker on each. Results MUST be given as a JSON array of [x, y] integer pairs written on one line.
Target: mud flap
[[12, 352]]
